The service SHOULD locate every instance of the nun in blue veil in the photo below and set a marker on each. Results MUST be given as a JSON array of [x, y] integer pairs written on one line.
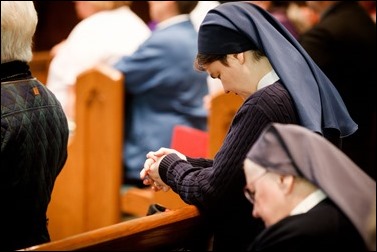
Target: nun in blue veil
[[239, 26], [256, 58]]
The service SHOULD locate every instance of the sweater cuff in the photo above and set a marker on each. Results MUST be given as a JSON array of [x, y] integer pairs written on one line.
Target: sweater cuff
[[166, 162], [190, 160]]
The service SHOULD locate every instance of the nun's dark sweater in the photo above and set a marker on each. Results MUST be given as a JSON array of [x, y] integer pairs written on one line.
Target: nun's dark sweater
[[216, 186]]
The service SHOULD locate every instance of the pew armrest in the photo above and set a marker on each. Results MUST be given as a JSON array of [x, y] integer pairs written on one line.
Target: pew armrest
[[171, 230]]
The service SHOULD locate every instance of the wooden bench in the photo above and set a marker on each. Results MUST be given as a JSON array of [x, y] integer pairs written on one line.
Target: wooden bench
[[86, 194], [40, 64], [176, 230], [222, 110]]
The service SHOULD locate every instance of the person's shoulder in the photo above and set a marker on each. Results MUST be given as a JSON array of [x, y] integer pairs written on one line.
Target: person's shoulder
[[85, 24], [97, 19], [182, 31], [120, 14], [344, 14]]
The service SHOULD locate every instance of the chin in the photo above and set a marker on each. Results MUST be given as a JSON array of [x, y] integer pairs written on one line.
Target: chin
[[268, 223]]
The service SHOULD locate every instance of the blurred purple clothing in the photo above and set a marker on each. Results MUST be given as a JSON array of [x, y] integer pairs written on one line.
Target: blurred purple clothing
[[284, 20]]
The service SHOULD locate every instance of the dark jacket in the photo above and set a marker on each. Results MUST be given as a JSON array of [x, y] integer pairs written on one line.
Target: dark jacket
[[323, 227], [34, 137]]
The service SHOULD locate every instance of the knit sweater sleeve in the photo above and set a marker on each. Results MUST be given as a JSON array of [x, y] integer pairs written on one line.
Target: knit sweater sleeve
[[206, 186]]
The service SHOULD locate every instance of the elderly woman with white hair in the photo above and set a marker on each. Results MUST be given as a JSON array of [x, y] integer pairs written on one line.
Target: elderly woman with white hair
[[34, 134]]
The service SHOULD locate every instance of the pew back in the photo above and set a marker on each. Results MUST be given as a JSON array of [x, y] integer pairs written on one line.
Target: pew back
[[190, 141], [223, 108], [40, 64], [86, 194]]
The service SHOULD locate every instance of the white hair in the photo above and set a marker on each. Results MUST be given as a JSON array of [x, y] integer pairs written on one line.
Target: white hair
[[18, 24]]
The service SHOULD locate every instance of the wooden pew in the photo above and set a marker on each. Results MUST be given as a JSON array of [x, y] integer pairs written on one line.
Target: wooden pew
[[222, 110], [86, 194], [168, 231], [40, 64]]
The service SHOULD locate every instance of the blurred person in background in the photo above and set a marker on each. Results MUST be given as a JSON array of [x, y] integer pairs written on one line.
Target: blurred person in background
[[343, 44], [108, 31], [370, 7], [163, 88], [302, 16], [279, 9]]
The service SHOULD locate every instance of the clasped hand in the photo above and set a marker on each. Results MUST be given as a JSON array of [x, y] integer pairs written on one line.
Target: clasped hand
[[150, 173]]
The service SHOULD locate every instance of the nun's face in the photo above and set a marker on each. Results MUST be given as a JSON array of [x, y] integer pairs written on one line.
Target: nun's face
[[242, 74], [264, 189]]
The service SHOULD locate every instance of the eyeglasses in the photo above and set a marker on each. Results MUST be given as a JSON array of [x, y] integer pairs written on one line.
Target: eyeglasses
[[250, 195]]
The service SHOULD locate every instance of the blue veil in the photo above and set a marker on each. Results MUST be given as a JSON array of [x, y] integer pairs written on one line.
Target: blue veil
[[318, 103]]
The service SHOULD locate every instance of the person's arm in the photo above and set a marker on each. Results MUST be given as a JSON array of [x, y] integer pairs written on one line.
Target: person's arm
[[224, 180], [150, 173], [203, 186]]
